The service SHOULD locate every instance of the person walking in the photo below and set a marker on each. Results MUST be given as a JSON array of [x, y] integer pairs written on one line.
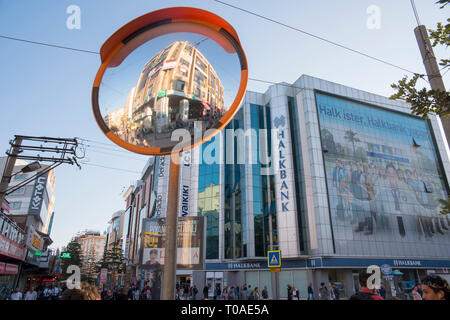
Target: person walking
[[289, 292], [323, 291], [333, 291], [265, 293], [294, 293], [194, 292], [244, 292], [205, 292], [185, 292], [16, 295], [310, 292], [47, 293], [382, 291], [30, 294], [55, 293], [365, 293], [256, 294]]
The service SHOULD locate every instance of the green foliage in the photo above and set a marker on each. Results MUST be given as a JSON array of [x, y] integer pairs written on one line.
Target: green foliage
[[112, 259], [423, 101], [446, 206], [74, 248]]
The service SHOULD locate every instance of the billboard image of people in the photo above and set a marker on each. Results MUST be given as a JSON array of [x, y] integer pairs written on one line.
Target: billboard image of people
[[190, 242], [384, 181]]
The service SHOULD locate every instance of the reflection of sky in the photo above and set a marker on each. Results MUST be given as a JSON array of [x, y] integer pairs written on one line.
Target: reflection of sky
[[117, 82], [336, 108]]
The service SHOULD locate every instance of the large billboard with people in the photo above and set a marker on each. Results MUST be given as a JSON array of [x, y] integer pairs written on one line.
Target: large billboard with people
[[384, 181]]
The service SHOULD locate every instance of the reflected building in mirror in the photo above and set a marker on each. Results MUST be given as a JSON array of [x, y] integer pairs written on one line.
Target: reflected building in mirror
[[176, 87]]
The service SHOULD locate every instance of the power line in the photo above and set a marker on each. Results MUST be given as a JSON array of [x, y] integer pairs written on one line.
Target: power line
[[116, 155], [415, 12], [252, 79], [317, 37], [106, 167], [48, 45]]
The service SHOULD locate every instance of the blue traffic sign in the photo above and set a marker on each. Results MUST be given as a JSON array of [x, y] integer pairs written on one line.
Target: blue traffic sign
[[274, 259]]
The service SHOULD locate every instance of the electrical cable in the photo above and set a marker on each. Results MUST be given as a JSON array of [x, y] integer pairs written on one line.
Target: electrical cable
[[106, 167], [48, 44], [317, 37]]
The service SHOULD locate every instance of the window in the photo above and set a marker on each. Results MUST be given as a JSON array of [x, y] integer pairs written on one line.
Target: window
[[15, 205], [183, 71], [200, 64], [180, 85], [199, 78], [184, 62], [197, 92], [150, 89]]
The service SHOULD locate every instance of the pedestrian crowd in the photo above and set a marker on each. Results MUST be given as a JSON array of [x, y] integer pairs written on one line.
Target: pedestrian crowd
[[432, 287]]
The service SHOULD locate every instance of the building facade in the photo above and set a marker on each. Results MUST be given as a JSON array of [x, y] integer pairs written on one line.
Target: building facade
[[336, 178], [174, 88]]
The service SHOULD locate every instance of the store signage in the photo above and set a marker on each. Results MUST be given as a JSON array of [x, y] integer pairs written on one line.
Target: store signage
[[6, 268], [185, 201], [386, 269], [65, 255], [185, 179], [169, 64], [162, 93], [244, 265], [11, 249], [284, 190], [38, 195], [407, 263], [103, 275]]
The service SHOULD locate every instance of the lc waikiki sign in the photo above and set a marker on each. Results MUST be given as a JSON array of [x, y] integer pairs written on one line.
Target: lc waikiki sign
[[280, 123]]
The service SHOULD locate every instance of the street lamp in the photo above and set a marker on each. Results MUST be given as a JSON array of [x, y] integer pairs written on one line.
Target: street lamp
[[28, 168]]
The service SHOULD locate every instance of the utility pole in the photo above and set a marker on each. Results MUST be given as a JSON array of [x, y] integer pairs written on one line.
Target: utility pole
[[170, 255], [10, 162], [65, 148], [431, 67]]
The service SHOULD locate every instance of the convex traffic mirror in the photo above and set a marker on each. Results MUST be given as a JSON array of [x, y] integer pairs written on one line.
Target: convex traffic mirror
[[171, 69]]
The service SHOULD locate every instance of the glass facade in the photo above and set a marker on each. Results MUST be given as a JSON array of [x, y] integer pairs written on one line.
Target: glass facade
[[384, 180], [235, 224], [263, 201], [296, 150], [209, 201]]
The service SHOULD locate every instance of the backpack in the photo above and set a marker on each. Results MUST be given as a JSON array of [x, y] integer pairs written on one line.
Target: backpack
[[362, 296]]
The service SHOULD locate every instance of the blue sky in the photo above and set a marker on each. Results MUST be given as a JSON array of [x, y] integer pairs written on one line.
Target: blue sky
[[47, 91]]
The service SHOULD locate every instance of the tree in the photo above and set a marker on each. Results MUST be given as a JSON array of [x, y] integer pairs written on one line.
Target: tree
[[74, 249], [424, 101], [351, 137], [113, 260]]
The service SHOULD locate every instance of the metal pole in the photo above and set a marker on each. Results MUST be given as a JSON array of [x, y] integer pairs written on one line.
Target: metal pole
[[10, 162], [170, 256], [433, 72]]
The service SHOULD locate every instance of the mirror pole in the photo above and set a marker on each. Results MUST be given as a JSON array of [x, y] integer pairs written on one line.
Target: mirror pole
[[170, 257]]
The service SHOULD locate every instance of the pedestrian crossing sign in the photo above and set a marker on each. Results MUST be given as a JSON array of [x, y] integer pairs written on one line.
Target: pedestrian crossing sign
[[274, 259]]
